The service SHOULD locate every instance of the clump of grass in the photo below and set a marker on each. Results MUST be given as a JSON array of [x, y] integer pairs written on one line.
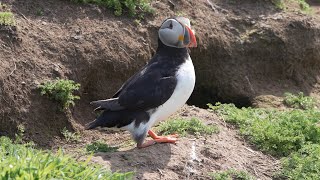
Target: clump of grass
[[133, 7], [299, 101], [25, 162], [39, 12], [20, 133], [7, 19], [70, 136], [282, 4], [276, 132], [61, 90], [303, 164], [183, 127], [99, 146], [231, 174]]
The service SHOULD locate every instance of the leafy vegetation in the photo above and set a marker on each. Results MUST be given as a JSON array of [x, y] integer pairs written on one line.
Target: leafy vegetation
[[183, 127], [273, 131], [20, 133], [25, 162], [6, 16], [303, 164], [60, 90], [98, 146], [133, 7], [293, 134], [70, 136], [282, 4], [231, 174], [299, 101]]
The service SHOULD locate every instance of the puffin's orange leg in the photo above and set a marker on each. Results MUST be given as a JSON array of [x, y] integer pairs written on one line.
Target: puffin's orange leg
[[163, 139], [158, 139]]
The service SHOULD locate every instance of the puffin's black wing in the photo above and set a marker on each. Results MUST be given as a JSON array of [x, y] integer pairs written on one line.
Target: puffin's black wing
[[149, 88], [145, 90], [148, 91]]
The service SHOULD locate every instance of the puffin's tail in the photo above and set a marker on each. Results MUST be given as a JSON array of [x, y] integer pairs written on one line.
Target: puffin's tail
[[106, 119], [117, 118]]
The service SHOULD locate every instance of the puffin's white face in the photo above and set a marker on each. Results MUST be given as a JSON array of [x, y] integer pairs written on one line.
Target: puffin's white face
[[177, 33]]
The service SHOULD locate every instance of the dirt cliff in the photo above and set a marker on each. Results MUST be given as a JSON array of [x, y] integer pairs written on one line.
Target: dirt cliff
[[245, 49]]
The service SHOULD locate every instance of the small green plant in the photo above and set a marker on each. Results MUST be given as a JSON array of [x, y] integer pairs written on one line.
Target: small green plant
[[99, 146], [279, 4], [277, 132], [39, 12], [231, 174], [19, 161], [19, 135], [183, 127], [303, 164], [7, 19], [133, 7], [70, 136], [60, 90], [299, 101]]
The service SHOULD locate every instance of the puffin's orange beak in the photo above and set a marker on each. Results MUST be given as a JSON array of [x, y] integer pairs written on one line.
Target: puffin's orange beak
[[193, 41]]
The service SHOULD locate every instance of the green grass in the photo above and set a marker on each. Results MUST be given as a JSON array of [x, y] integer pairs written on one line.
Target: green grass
[[183, 127], [304, 164], [20, 133], [6, 16], [299, 101], [282, 4], [99, 146], [19, 161], [60, 90], [7, 19], [276, 132], [133, 7], [293, 134], [70, 136], [231, 174]]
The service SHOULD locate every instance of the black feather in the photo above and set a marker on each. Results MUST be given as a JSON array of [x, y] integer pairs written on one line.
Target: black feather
[[108, 104], [118, 119]]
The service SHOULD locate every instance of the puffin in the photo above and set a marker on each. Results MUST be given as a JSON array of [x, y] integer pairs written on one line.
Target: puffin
[[155, 92]]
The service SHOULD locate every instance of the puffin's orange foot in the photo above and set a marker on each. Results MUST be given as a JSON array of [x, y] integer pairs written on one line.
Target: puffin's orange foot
[[158, 139], [163, 139]]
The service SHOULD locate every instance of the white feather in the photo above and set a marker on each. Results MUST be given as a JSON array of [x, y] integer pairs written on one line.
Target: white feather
[[185, 84]]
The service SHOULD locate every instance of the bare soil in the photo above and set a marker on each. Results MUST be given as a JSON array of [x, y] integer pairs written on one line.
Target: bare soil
[[249, 53]]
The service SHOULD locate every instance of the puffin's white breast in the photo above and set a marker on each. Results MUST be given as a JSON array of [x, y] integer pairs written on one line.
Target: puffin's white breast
[[185, 85]]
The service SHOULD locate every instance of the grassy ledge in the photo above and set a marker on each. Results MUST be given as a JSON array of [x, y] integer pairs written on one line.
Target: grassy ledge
[[293, 134], [133, 7], [283, 4], [25, 162], [231, 174], [276, 132], [183, 127]]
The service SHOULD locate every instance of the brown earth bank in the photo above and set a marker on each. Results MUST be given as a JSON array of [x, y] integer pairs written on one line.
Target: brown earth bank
[[245, 50]]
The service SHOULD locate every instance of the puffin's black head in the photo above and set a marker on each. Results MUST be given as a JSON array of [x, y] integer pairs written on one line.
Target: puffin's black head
[[176, 32]]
